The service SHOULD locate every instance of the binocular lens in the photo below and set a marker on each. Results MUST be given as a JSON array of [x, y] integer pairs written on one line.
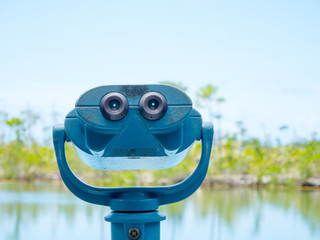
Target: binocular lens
[[153, 106], [114, 106]]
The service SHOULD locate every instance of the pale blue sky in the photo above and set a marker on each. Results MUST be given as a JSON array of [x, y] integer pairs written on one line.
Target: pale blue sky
[[263, 55]]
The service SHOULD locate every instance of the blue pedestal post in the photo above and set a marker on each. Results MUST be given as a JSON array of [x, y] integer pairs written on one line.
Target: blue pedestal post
[[135, 225]]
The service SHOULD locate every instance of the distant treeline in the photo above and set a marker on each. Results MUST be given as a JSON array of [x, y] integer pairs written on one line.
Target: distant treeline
[[232, 163], [237, 159]]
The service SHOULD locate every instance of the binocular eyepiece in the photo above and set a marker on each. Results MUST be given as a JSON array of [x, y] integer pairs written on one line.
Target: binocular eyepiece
[[114, 106], [153, 106]]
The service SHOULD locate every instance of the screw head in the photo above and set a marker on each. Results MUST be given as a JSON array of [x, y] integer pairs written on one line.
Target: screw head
[[134, 233]]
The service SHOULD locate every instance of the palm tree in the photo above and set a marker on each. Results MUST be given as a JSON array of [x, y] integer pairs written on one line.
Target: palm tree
[[207, 94]]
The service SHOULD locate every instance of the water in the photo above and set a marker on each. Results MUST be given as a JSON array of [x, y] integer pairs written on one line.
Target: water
[[46, 211]]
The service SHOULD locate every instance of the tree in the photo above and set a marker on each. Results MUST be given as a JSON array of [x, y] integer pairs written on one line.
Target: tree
[[242, 131], [284, 131], [30, 119], [3, 119], [206, 96], [17, 125]]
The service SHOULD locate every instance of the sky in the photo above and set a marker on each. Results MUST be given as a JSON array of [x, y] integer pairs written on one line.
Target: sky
[[262, 55]]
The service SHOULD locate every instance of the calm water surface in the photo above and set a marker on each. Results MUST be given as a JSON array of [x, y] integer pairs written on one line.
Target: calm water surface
[[45, 211]]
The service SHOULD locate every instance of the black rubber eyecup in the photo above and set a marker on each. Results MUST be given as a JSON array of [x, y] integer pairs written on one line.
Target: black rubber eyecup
[[114, 106], [153, 106]]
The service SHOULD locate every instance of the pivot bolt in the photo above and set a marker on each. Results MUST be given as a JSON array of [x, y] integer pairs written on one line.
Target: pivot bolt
[[134, 233]]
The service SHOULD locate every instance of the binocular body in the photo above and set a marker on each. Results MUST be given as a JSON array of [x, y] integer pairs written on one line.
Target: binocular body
[[133, 127]]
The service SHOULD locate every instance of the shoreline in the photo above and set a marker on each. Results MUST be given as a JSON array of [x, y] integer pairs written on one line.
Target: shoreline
[[211, 182]]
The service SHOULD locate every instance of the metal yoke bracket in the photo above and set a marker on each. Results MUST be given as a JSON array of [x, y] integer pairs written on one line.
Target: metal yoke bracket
[[134, 214], [133, 199]]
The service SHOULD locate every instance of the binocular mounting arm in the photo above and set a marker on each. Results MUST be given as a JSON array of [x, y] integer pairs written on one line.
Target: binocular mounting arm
[[133, 199]]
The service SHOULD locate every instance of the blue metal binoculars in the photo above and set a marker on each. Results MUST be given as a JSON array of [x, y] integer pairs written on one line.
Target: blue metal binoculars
[[128, 127]]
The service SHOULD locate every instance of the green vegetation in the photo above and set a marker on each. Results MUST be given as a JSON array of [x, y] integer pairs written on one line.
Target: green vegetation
[[292, 164], [237, 159]]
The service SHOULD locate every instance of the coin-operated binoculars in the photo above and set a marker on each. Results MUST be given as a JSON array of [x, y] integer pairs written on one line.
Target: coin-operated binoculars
[[133, 127]]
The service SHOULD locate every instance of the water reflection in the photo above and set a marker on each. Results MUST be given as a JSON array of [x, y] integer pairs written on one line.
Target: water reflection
[[45, 211], [249, 214], [229, 205]]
